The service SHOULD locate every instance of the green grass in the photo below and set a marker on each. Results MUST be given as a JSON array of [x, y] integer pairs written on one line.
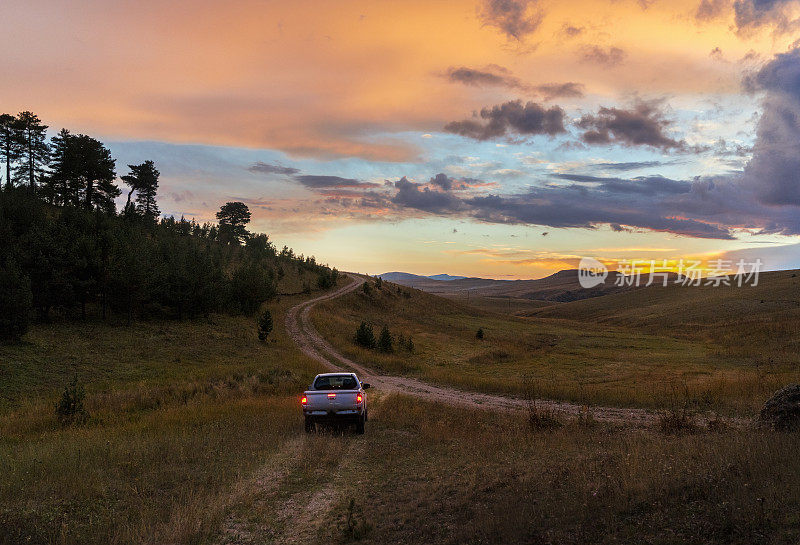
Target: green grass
[[585, 362]]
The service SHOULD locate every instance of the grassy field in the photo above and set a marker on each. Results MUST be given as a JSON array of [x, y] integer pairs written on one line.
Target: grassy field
[[430, 474], [586, 361], [178, 412], [195, 437]]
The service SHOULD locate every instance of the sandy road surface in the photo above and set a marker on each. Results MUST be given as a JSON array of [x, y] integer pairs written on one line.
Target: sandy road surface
[[302, 331]]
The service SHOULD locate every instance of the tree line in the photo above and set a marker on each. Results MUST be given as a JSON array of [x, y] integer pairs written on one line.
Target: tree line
[[66, 251]]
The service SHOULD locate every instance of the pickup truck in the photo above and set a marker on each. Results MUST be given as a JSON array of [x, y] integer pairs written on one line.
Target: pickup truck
[[335, 398]]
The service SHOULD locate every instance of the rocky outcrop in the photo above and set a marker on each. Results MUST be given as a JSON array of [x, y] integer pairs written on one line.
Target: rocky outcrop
[[782, 411]]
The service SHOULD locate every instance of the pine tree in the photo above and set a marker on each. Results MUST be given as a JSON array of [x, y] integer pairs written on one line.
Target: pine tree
[[385, 340], [143, 179], [9, 144], [83, 172], [365, 336], [479, 334], [264, 325], [34, 150], [233, 216]]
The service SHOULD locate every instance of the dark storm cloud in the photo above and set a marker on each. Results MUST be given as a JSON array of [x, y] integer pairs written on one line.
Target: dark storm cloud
[[631, 165], [709, 10], [594, 54], [643, 185], [443, 181], [515, 18], [490, 76], [654, 203], [510, 119], [498, 76], [762, 198], [752, 14], [579, 207], [569, 89], [315, 181], [774, 170], [642, 125], [572, 31], [267, 168], [411, 195]]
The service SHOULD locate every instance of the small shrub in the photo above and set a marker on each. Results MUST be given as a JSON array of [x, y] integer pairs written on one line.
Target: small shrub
[[365, 336], [479, 334], [70, 409], [352, 523], [264, 325], [405, 343], [542, 418], [367, 288], [378, 282], [677, 422], [585, 418], [717, 425], [385, 341]]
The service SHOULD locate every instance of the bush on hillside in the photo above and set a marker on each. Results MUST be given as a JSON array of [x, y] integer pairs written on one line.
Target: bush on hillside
[[264, 325], [365, 336], [70, 408], [385, 341]]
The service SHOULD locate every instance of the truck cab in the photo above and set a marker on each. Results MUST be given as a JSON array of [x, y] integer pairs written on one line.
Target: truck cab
[[335, 399]]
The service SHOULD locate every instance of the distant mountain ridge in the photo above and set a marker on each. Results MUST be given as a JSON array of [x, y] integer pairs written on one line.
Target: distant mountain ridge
[[559, 287], [403, 277]]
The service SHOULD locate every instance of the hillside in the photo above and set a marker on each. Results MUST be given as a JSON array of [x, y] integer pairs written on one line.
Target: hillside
[[562, 286], [565, 359], [760, 321]]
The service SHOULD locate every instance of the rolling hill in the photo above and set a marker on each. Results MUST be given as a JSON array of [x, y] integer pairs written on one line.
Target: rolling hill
[[559, 287]]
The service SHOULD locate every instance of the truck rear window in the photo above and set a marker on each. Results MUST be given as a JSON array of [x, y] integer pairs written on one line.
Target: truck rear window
[[336, 382]]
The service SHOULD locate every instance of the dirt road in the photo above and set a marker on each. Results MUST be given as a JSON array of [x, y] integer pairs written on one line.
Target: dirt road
[[302, 331]]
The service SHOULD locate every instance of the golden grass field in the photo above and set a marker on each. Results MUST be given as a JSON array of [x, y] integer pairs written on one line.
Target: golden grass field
[[575, 355], [195, 436]]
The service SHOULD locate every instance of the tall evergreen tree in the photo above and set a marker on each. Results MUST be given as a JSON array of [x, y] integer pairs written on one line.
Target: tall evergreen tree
[[83, 172], [60, 187], [34, 150], [143, 179], [233, 216], [9, 144]]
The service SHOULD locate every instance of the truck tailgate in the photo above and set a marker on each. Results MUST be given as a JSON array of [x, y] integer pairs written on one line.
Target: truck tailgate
[[331, 401]]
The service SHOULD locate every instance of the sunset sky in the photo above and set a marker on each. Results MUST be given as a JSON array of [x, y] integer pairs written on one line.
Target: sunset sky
[[498, 138]]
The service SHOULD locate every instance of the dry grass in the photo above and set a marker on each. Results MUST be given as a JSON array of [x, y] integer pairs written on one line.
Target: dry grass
[[179, 412], [195, 437], [474, 477], [586, 362]]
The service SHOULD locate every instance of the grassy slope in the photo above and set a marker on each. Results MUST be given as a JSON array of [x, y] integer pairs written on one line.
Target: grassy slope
[[179, 412], [590, 361], [758, 323], [210, 449]]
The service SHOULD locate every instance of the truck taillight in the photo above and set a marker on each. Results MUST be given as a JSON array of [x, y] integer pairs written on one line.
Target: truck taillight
[[358, 398], [303, 401]]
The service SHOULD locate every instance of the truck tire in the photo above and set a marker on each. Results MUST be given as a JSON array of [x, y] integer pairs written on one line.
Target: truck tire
[[309, 425], [360, 425]]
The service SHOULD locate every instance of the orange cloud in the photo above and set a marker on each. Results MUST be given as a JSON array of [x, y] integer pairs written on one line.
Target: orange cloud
[[331, 79]]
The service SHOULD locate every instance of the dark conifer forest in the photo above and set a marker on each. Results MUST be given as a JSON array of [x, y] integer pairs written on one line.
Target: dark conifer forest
[[67, 253]]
